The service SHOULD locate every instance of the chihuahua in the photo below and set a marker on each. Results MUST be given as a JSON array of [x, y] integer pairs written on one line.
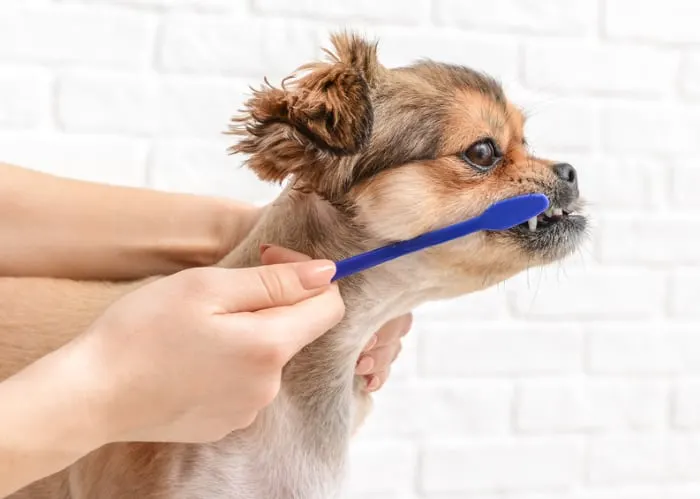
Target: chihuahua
[[371, 155]]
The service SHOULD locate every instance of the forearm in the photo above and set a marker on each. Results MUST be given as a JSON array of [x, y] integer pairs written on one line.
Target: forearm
[[59, 227], [47, 423]]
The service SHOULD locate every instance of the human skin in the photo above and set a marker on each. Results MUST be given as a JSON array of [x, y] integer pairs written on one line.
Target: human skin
[[81, 230]]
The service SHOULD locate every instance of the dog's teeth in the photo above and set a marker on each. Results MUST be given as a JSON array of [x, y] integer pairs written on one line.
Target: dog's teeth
[[548, 212], [532, 224], [558, 212]]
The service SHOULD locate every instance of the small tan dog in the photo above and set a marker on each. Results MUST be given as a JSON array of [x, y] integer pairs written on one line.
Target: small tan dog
[[373, 155]]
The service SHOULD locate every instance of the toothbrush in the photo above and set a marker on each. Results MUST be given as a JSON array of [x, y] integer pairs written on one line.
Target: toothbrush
[[499, 216]]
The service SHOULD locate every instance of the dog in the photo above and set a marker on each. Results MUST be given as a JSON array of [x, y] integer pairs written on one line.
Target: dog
[[370, 155]]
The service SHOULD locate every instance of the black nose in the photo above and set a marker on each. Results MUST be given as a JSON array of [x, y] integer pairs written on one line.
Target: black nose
[[566, 172]]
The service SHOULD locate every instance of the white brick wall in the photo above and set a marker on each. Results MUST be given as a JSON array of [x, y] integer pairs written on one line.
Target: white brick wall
[[580, 381]]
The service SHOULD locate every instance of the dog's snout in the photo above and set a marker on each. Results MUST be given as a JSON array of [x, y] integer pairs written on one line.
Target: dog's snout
[[566, 172]]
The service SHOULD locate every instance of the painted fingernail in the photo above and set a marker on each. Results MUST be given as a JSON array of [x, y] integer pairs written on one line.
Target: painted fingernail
[[315, 273], [364, 366]]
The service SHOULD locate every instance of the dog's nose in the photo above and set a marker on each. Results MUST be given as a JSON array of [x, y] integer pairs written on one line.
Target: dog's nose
[[566, 172]]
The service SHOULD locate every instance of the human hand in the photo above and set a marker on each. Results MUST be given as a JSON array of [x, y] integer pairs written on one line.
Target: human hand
[[382, 349], [234, 221], [196, 355]]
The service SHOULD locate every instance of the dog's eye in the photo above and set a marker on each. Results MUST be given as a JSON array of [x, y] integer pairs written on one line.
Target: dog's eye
[[482, 155]]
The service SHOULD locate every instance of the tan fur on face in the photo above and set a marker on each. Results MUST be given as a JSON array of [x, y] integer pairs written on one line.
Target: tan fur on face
[[373, 155]]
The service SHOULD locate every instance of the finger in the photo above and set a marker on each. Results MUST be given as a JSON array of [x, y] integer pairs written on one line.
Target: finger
[[299, 324], [381, 359], [394, 329], [376, 381], [371, 343], [271, 255], [364, 365], [259, 288]]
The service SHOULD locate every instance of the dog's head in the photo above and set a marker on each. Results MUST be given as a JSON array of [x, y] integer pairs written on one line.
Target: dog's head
[[410, 149]]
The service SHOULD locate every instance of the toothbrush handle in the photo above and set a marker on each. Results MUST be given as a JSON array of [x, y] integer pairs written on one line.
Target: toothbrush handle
[[377, 256]]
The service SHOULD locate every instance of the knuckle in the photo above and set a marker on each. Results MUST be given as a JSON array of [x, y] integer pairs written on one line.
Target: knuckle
[[267, 392], [270, 353], [273, 284], [337, 310]]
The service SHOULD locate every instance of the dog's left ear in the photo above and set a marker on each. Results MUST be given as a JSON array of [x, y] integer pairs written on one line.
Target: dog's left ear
[[308, 126]]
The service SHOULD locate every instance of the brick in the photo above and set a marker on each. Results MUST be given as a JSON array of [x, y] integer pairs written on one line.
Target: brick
[[690, 76], [413, 11], [204, 167], [272, 47], [621, 183], [588, 293], [627, 459], [483, 348], [684, 180], [685, 290], [684, 457], [488, 304], [561, 125], [629, 129], [668, 21], [25, 97], [108, 103], [197, 5], [567, 17], [634, 348], [647, 491], [578, 67], [637, 492], [685, 339], [127, 104], [686, 405], [376, 468], [644, 239], [78, 35], [500, 465], [441, 409], [552, 406], [400, 46], [102, 159], [561, 405]]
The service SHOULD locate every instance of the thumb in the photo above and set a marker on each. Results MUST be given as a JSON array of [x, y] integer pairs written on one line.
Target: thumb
[[257, 288]]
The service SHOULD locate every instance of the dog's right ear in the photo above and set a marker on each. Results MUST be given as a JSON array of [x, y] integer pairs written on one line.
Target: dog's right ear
[[306, 127]]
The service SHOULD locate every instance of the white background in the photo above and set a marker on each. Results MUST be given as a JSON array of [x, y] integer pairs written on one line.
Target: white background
[[581, 381]]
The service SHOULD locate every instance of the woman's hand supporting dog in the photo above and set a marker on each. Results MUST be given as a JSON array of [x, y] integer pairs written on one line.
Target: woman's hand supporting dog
[[60, 227], [187, 358]]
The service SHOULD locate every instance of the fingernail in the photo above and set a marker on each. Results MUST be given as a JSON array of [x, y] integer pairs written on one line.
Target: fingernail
[[373, 384], [364, 366], [264, 248], [315, 273]]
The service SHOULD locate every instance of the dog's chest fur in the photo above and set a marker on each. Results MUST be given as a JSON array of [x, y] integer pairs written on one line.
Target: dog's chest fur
[[296, 449]]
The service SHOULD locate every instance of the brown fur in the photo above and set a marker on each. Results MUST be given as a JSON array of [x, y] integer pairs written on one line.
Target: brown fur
[[373, 155]]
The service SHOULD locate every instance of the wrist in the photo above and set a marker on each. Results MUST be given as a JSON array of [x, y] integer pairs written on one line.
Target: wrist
[[55, 419], [64, 390], [234, 221]]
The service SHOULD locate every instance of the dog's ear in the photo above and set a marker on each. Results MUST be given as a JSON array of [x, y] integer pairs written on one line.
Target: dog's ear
[[309, 126]]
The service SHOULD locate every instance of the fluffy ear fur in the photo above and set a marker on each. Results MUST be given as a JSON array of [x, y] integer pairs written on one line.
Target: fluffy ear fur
[[309, 126]]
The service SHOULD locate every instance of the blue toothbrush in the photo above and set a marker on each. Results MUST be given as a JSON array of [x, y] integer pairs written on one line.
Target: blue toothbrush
[[499, 216]]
